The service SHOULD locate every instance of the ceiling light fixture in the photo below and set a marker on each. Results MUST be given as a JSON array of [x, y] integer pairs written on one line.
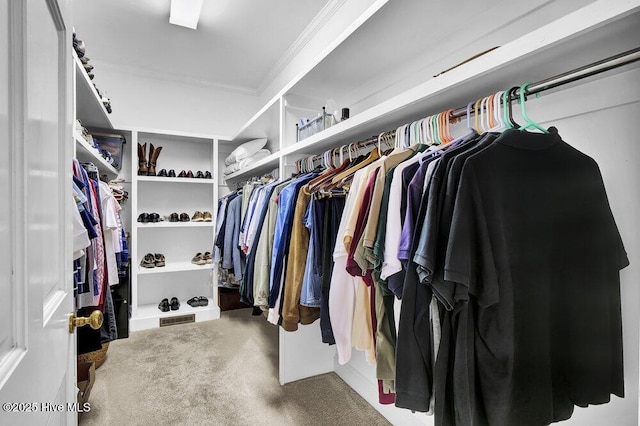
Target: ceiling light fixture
[[185, 13]]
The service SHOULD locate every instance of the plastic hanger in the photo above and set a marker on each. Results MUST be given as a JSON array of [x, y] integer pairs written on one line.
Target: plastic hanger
[[529, 124], [441, 127], [497, 124], [481, 120], [423, 133], [506, 100], [426, 131], [447, 125], [373, 156], [476, 117], [469, 127], [499, 109], [512, 95]]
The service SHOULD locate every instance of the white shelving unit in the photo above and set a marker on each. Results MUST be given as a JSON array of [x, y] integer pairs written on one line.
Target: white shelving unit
[[85, 152], [173, 267], [537, 40], [174, 179], [92, 113], [177, 241], [167, 224], [89, 107]]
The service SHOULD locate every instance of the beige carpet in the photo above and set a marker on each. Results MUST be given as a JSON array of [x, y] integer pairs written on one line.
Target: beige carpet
[[222, 372]]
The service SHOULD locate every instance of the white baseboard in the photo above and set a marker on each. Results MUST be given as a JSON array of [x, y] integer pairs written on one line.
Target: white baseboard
[[368, 389]]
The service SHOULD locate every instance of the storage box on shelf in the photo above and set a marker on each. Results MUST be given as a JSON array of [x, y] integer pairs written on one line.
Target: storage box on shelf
[[177, 241]]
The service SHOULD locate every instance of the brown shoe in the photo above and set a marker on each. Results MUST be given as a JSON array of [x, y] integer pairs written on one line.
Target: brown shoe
[[206, 216], [197, 217], [153, 158], [142, 160], [190, 174], [183, 174]]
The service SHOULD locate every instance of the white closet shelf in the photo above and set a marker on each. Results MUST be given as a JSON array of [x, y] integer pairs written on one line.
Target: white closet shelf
[[266, 164], [264, 124], [174, 267], [147, 311], [85, 152], [167, 224], [173, 179], [89, 107], [569, 42]]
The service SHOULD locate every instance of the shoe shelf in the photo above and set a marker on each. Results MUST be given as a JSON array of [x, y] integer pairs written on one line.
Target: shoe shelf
[[152, 311], [167, 224], [174, 179], [174, 267], [85, 152], [89, 107], [178, 241]]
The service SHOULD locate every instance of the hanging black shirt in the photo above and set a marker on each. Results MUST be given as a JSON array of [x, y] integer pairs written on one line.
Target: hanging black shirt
[[535, 246]]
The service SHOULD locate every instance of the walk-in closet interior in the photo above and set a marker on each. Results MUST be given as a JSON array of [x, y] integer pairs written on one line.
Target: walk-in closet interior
[[433, 202]]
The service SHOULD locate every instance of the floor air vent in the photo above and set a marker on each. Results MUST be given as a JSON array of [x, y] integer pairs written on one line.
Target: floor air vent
[[182, 319]]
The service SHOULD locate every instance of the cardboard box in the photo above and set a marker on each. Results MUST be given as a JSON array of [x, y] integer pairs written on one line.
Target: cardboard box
[[86, 379]]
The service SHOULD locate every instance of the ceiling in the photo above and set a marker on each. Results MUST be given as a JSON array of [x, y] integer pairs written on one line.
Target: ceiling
[[238, 44]]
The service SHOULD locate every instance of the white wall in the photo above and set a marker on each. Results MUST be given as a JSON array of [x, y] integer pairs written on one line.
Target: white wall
[[332, 30], [153, 102]]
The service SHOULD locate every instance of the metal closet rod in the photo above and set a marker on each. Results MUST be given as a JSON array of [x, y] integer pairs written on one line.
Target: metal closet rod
[[594, 68], [580, 73]]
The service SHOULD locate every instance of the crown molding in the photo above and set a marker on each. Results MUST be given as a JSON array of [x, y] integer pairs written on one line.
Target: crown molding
[[162, 75], [301, 42]]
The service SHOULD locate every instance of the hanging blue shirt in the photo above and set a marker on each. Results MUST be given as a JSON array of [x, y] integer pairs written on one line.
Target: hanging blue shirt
[[282, 235]]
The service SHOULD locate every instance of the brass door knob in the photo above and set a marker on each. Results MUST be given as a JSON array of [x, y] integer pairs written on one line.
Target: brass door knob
[[94, 320]]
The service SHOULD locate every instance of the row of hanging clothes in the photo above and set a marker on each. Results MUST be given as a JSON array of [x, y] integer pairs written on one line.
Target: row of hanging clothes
[[480, 274], [100, 250]]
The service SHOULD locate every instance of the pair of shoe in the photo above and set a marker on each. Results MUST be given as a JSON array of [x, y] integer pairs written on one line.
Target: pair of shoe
[[149, 217], [198, 175], [202, 217], [198, 301], [173, 217], [147, 168], [202, 259], [151, 260], [165, 305], [78, 46], [164, 173]]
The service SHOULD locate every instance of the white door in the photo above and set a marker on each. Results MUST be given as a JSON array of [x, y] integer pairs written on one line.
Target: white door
[[37, 352]]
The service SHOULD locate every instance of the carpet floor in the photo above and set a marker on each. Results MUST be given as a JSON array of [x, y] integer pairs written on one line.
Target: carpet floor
[[222, 372]]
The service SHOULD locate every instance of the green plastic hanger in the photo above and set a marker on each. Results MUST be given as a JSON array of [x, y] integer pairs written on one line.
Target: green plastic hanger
[[529, 124]]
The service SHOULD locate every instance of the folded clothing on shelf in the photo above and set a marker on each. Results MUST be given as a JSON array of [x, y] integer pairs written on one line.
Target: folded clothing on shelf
[[234, 167], [245, 150]]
